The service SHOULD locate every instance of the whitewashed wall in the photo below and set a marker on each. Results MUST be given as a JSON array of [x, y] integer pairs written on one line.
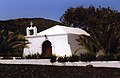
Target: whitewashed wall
[[60, 46], [34, 46]]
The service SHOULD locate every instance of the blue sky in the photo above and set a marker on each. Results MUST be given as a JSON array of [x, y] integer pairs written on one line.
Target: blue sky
[[49, 9]]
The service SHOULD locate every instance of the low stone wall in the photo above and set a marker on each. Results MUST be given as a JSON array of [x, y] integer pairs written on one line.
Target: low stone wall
[[27, 61], [115, 64]]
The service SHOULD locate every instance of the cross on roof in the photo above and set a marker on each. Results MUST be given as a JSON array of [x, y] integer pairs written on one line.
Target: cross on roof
[[31, 24]]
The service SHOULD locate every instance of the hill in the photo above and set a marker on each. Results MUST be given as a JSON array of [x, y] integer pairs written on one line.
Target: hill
[[21, 24]]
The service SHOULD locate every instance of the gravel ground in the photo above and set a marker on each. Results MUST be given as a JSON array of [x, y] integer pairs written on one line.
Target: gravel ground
[[44, 71]]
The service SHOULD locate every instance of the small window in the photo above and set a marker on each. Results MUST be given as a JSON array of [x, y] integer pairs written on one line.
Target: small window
[[31, 32]]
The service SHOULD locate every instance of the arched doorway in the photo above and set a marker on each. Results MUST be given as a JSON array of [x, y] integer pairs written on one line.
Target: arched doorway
[[46, 49]]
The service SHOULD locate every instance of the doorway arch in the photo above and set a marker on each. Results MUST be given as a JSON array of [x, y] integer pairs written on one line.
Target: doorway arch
[[46, 49]]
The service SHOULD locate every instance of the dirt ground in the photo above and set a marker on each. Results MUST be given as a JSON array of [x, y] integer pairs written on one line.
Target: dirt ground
[[44, 71]]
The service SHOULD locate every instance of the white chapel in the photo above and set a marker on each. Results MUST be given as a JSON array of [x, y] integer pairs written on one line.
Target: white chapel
[[58, 40]]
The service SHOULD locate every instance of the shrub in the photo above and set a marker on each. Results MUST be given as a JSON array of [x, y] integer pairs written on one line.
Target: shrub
[[7, 58], [106, 57], [53, 58], [88, 57], [28, 56], [62, 59], [117, 56], [102, 58], [40, 56], [73, 58], [33, 56], [111, 57]]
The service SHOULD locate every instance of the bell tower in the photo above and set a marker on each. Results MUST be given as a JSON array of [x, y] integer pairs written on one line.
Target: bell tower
[[32, 30]]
